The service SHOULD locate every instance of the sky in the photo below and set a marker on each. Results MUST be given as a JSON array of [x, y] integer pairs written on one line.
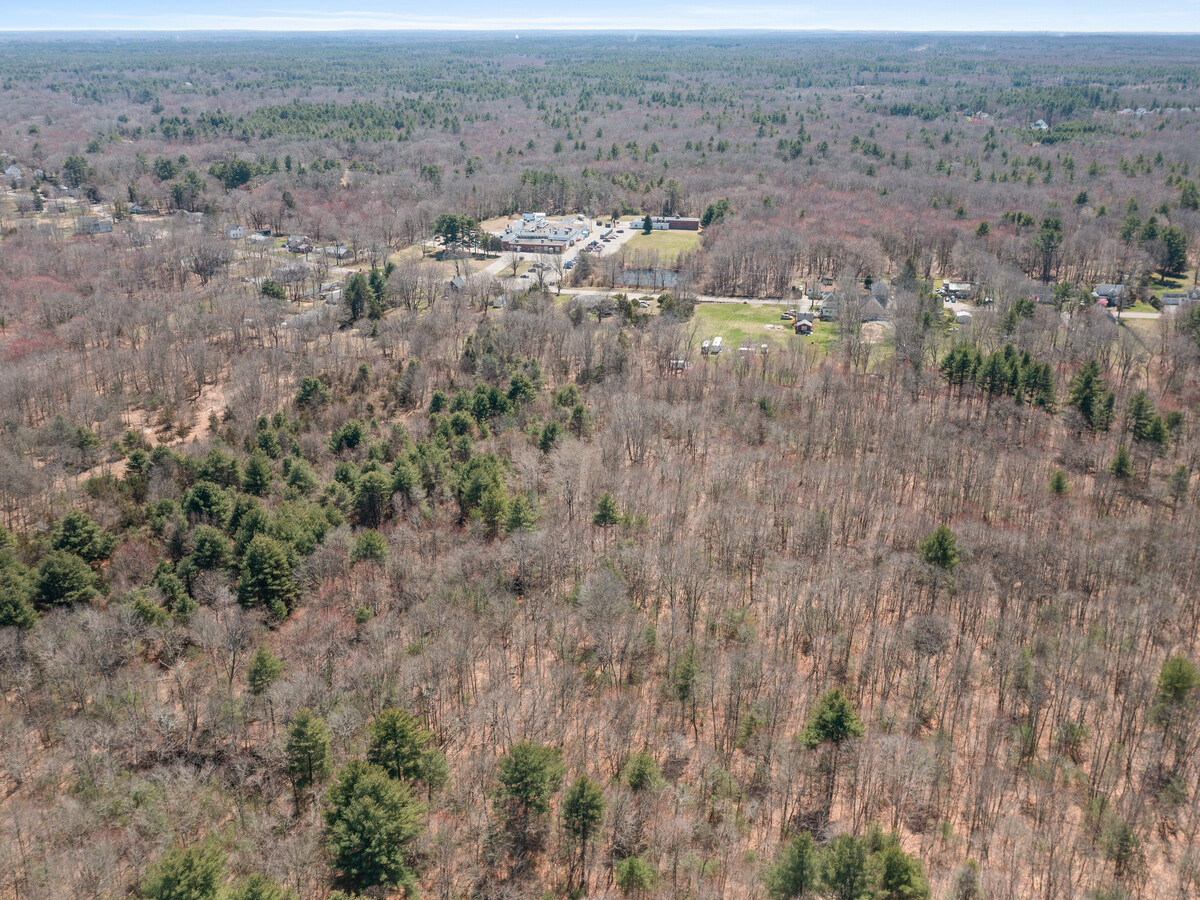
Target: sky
[[1122, 16]]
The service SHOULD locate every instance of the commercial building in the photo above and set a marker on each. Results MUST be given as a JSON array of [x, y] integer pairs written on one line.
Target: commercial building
[[534, 233], [674, 223]]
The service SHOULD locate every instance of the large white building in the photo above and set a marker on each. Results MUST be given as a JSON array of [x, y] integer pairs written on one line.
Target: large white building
[[534, 233]]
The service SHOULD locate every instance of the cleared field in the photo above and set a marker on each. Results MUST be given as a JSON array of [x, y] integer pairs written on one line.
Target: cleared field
[[736, 324], [669, 244], [469, 265], [497, 224]]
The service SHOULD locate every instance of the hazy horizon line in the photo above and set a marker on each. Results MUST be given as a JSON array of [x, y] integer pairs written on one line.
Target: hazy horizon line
[[624, 30]]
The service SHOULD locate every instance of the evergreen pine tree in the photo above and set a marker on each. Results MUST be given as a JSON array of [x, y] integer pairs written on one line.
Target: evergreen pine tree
[[78, 534], [265, 670], [186, 873], [64, 578], [607, 513], [521, 515], [260, 887], [16, 592], [356, 297], [940, 549], [399, 745], [307, 751], [796, 873], [267, 577], [1122, 464], [258, 477], [370, 824], [582, 812], [1090, 396]]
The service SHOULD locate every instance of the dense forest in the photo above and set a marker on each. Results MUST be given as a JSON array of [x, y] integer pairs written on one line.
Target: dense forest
[[324, 577]]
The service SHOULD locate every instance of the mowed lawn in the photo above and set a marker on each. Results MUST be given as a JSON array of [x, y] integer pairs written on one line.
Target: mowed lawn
[[669, 244], [737, 323]]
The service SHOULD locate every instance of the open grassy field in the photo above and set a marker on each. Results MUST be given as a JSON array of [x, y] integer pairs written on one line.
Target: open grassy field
[[1146, 329], [669, 244], [737, 323]]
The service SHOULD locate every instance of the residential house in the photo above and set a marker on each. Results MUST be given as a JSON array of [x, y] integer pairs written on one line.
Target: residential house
[[1109, 293], [868, 309], [235, 233], [873, 311], [881, 291], [93, 225]]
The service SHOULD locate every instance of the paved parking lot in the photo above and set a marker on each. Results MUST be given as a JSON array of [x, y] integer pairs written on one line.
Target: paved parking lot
[[620, 235]]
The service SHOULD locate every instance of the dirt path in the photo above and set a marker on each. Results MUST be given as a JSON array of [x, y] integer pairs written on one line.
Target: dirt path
[[195, 416]]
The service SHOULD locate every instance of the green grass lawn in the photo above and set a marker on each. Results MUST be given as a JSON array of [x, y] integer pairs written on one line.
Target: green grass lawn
[[669, 244], [1146, 329], [1141, 308], [737, 323], [1168, 285]]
